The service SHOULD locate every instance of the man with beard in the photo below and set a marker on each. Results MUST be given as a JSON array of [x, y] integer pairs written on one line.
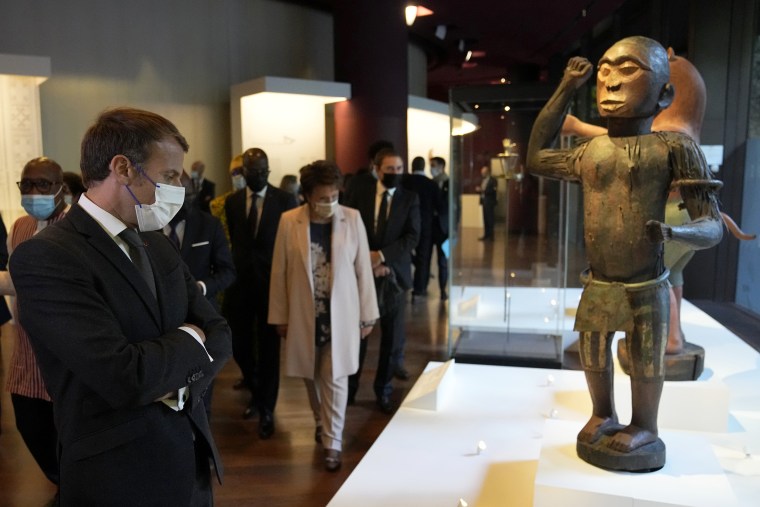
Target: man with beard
[[253, 215]]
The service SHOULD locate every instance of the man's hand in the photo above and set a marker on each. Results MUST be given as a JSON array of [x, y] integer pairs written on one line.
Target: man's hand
[[381, 270], [282, 330], [375, 258], [578, 71], [658, 232], [197, 330], [366, 330]]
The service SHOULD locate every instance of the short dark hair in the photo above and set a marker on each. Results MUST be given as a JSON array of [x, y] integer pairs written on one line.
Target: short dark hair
[[320, 172], [123, 131], [418, 164], [439, 161], [74, 182], [387, 152], [377, 147]]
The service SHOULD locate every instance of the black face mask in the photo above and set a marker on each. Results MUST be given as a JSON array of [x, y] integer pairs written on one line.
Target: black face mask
[[257, 181], [391, 180]]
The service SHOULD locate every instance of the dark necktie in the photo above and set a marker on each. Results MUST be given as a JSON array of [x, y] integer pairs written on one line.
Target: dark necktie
[[253, 216], [382, 217], [173, 237], [139, 257]]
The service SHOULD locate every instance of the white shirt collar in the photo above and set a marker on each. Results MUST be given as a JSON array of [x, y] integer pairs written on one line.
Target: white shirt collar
[[262, 193], [112, 225], [381, 188]]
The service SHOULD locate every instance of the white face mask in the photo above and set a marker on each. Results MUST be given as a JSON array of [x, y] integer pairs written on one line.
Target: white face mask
[[325, 210], [238, 182], [169, 200]]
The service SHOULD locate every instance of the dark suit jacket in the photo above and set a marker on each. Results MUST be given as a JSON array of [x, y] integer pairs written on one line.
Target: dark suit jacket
[[431, 204], [488, 193], [5, 314], [205, 251], [253, 256], [107, 349], [402, 230], [205, 194]]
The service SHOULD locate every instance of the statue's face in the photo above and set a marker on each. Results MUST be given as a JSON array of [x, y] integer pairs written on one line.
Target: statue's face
[[626, 84]]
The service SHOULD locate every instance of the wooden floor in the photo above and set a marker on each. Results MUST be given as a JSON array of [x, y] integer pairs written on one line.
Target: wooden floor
[[286, 470]]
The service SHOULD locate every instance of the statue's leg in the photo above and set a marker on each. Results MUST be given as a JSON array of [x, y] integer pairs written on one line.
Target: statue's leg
[[646, 350], [596, 359], [676, 338]]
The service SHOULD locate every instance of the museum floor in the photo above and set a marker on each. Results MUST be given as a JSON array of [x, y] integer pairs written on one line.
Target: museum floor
[[287, 469]]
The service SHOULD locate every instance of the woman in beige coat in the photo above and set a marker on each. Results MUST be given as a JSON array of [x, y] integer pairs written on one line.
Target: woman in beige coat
[[322, 298]]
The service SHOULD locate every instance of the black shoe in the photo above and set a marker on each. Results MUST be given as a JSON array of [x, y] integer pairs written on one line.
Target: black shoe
[[266, 425], [250, 412], [318, 435], [401, 373], [444, 296], [385, 405]]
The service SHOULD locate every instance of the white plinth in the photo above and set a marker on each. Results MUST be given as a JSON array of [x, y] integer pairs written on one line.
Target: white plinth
[[691, 476]]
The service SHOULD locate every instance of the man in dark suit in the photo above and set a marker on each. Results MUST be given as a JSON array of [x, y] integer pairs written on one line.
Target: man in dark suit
[[441, 223], [203, 246], [253, 215], [205, 190], [430, 208], [488, 202], [391, 215], [125, 341]]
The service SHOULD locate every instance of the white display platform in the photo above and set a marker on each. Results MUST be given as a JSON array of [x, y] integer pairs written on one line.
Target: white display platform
[[428, 458], [691, 476]]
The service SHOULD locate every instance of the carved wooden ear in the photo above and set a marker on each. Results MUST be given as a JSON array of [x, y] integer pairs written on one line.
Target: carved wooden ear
[[666, 96]]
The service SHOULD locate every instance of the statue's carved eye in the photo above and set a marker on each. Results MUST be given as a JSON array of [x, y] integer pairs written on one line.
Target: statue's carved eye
[[628, 68]]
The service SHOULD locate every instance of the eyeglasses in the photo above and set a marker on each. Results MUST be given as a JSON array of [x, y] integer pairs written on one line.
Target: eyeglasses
[[27, 184]]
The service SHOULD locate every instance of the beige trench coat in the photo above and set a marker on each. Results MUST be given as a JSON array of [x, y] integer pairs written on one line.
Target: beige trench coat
[[291, 294]]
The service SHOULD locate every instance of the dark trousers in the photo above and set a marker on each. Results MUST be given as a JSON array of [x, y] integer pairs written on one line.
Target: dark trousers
[[392, 341], [256, 349], [443, 265], [34, 421], [488, 219], [423, 252]]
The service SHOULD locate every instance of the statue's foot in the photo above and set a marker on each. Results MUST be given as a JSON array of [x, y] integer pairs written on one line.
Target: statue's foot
[[596, 427], [630, 438], [676, 341]]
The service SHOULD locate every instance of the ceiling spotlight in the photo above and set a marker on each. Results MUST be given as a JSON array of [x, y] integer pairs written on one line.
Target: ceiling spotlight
[[507, 108], [410, 12], [503, 80], [477, 106], [468, 56]]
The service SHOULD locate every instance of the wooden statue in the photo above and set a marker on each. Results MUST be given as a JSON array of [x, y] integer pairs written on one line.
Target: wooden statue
[[626, 176]]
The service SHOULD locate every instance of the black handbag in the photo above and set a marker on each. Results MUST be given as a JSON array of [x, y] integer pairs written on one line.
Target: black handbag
[[388, 290]]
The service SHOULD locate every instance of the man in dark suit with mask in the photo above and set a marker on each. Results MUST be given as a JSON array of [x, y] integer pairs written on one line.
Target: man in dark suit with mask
[[203, 246], [253, 215], [126, 343], [391, 215]]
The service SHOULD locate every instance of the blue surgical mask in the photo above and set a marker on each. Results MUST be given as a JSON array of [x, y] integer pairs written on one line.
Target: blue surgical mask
[[238, 182], [39, 206]]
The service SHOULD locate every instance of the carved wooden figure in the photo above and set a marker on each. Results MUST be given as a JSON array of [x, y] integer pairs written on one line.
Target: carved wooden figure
[[626, 176]]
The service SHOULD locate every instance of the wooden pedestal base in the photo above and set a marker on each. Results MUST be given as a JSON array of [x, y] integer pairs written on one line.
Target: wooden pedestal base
[[688, 365], [647, 458]]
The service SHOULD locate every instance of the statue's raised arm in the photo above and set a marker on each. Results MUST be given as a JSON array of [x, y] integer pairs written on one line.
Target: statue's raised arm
[[542, 159]]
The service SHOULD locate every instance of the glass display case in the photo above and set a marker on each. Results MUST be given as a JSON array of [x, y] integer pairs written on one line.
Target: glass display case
[[512, 296]]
